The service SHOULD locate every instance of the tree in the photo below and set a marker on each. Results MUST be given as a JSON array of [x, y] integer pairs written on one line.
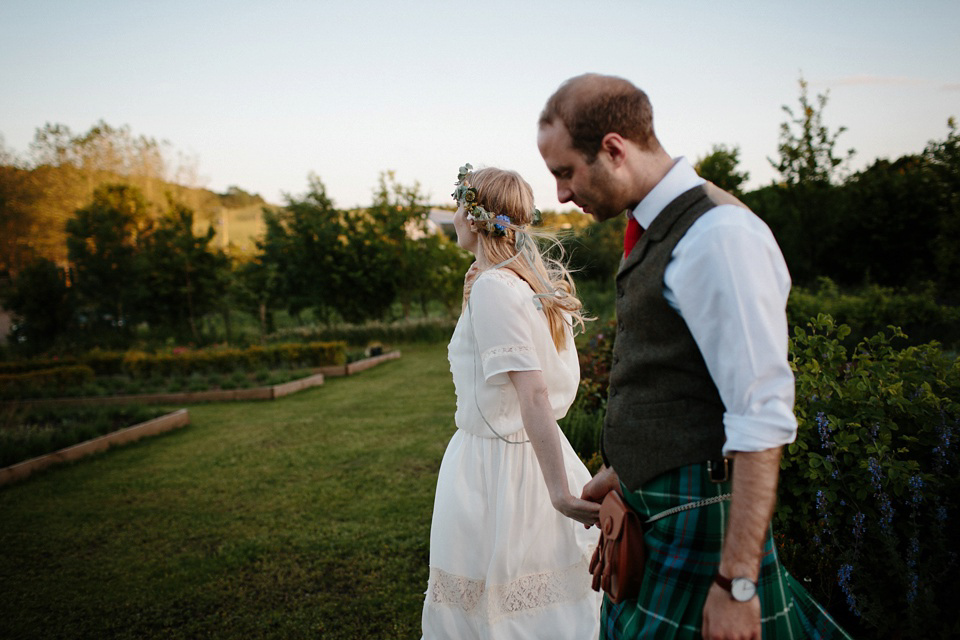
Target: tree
[[41, 190], [304, 244], [257, 289], [19, 231], [804, 208], [398, 222], [42, 304], [103, 241], [943, 159], [184, 277], [886, 226], [806, 145], [719, 167]]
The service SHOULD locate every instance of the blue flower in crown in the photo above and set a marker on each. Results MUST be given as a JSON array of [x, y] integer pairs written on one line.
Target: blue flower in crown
[[500, 227]]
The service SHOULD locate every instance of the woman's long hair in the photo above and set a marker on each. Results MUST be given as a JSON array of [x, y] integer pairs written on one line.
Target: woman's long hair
[[503, 192]]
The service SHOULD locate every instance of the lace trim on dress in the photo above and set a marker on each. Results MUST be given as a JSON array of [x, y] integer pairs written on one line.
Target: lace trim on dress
[[495, 601], [496, 352]]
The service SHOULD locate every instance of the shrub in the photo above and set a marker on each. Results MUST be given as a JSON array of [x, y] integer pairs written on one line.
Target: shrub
[[412, 330], [15, 385], [869, 492], [873, 478], [874, 308]]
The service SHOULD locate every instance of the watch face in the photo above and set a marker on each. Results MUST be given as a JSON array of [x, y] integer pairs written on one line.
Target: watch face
[[742, 589]]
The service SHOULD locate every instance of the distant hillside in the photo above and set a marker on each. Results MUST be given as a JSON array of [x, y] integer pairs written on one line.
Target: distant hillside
[[41, 189], [36, 203], [237, 228]]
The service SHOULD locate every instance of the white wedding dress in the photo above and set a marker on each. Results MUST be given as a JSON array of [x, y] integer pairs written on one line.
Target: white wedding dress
[[503, 562]]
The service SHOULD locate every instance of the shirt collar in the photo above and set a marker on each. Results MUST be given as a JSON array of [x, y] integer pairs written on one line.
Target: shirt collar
[[681, 177]]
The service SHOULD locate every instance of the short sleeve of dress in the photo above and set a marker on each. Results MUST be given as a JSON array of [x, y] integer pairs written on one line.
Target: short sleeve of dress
[[502, 327]]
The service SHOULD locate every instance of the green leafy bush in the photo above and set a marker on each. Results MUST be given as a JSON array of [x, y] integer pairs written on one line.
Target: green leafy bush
[[44, 381], [430, 330], [871, 487], [583, 423], [874, 308], [870, 491]]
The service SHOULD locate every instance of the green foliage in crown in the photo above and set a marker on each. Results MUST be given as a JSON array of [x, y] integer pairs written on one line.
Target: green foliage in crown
[[465, 195]]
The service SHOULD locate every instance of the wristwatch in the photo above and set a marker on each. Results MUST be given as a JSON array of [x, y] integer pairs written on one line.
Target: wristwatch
[[741, 589]]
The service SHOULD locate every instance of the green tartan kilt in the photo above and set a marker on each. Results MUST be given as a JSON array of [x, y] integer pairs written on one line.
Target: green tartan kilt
[[683, 556]]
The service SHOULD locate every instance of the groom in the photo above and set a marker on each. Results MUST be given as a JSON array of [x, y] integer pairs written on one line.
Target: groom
[[699, 379]]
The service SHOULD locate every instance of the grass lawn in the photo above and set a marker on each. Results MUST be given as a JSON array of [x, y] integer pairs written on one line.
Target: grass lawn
[[306, 517]]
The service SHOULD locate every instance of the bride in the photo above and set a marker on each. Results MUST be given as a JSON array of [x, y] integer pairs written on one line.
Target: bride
[[508, 552]]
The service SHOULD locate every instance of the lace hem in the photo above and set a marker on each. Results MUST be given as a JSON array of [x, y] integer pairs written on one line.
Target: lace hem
[[491, 602], [496, 352]]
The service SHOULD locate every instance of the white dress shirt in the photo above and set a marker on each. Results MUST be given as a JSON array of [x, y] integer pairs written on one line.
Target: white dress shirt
[[728, 280]]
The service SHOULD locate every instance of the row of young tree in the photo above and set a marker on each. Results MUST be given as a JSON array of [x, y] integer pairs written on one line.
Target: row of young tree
[[131, 269], [98, 242]]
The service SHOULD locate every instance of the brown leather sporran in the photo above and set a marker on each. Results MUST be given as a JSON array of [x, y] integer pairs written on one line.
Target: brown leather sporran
[[618, 561]]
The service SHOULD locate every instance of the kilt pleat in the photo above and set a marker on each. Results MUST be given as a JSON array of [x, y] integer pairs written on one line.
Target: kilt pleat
[[683, 557]]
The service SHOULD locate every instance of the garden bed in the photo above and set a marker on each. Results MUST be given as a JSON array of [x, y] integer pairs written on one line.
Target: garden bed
[[309, 378], [40, 433]]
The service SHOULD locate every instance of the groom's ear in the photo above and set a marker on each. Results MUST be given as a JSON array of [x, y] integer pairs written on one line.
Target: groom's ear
[[615, 147]]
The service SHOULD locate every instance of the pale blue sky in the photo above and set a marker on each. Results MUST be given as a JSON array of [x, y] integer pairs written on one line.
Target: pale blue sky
[[262, 93]]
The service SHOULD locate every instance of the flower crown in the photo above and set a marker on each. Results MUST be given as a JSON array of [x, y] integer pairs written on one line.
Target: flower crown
[[467, 196]]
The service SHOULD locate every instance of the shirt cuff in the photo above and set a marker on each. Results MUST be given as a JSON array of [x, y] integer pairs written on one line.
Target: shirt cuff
[[754, 434]]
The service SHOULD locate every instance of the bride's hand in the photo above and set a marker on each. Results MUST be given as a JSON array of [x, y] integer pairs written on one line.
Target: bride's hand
[[583, 511]]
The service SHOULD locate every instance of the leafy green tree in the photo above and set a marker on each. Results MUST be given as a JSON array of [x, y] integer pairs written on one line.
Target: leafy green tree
[[443, 265], [720, 167], [103, 242], [256, 288], [336, 262], [594, 251], [803, 210], [186, 279], [398, 221], [944, 164], [42, 304], [807, 147], [886, 223], [304, 243]]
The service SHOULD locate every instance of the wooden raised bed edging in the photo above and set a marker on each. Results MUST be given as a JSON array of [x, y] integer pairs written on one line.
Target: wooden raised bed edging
[[358, 366], [168, 422], [219, 395], [187, 397]]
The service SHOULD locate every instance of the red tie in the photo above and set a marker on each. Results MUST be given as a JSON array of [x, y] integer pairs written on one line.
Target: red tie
[[633, 233]]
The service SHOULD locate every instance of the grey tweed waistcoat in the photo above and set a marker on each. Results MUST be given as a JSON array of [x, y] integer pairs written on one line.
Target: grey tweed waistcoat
[[663, 409]]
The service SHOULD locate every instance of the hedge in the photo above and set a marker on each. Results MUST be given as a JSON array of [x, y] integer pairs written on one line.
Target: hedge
[[13, 385], [223, 360]]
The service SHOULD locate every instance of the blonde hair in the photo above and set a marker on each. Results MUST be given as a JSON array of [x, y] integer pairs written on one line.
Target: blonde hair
[[504, 192]]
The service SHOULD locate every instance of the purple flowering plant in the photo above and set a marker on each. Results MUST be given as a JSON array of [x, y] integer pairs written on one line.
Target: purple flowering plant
[[870, 491]]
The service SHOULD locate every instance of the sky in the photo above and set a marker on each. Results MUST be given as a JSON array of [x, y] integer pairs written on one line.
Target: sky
[[262, 94]]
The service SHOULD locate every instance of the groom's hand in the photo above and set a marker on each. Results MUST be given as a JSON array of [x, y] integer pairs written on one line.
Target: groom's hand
[[597, 489], [726, 619]]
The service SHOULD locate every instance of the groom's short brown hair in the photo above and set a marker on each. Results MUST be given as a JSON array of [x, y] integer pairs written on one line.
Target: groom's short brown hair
[[592, 105]]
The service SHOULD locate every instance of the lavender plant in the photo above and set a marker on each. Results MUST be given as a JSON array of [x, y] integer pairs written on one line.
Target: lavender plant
[[874, 480]]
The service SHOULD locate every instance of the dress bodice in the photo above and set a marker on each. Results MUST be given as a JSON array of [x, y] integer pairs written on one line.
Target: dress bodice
[[502, 330]]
